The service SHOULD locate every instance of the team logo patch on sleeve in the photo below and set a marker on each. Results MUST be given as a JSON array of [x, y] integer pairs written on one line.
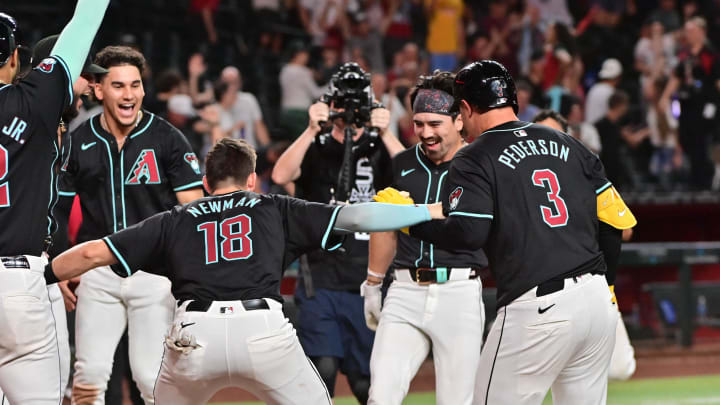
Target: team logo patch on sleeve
[[46, 65], [192, 160], [455, 197]]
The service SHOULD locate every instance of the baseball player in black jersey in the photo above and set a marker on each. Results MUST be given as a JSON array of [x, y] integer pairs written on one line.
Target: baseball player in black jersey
[[330, 322], [30, 112], [529, 195], [622, 362], [433, 288], [126, 164], [229, 329]]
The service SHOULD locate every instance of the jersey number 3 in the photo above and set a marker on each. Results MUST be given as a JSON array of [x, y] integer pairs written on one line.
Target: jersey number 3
[[235, 244], [558, 216]]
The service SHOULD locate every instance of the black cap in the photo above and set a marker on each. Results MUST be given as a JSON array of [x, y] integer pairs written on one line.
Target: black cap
[[44, 46], [485, 84]]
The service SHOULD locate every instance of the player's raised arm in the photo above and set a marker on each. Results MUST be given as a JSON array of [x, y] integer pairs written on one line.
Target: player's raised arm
[[74, 42]]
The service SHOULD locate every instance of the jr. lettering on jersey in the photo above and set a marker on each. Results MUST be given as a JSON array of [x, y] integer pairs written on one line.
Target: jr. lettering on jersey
[[217, 206], [15, 129], [520, 150]]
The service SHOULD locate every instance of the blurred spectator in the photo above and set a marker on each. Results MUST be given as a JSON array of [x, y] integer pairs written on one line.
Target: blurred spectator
[[578, 127], [298, 91], [552, 11], [654, 53], [666, 157], [535, 76], [528, 38], [399, 30], [247, 110], [199, 86], [206, 9], [526, 110], [226, 96], [562, 64], [596, 104], [667, 15], [612, 144], [182, 115], [330, 61], [446, 33], [360, 35], [695, 81], [399, 118], [320, 17], [168, 84]]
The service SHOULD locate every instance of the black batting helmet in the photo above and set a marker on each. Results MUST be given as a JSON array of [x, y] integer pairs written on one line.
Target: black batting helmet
[[9, 37], [485, 84]]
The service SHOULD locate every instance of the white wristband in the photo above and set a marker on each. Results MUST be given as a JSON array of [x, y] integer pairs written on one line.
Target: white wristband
[[378, 275]]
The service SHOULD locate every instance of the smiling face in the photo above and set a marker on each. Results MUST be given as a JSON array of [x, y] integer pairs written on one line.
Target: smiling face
[[121, 92], [439, 135]]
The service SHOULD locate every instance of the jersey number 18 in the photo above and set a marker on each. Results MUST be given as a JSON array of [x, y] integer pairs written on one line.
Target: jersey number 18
[[547, 179], [235, 244]]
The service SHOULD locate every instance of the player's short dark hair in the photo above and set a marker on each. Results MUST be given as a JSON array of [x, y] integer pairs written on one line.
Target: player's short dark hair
[[230, 159], [119, 55], [439, 80], [548, 113], [618, 98]]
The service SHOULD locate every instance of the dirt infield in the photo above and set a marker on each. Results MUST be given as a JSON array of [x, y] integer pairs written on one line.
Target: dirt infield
[[653, 360]]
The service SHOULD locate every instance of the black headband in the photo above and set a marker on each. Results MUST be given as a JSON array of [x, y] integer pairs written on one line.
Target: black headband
[[433, 101]]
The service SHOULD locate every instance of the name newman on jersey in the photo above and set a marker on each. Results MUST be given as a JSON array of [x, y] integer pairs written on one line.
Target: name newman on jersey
[[519, 150], [210, 207]]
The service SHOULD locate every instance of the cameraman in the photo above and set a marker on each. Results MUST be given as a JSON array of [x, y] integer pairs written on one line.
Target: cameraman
[[331, 325]]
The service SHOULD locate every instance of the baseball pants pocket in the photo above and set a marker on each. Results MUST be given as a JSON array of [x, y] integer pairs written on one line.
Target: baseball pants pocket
[[277, 357], [28, 322]]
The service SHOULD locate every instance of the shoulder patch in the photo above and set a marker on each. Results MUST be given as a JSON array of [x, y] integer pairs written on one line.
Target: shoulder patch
[[46, 65], [455, 197], [192, 160]]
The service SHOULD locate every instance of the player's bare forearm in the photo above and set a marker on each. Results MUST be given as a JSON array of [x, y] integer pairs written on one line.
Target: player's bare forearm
[[81, 258], [287, 167], [188, 196], [381, 251]]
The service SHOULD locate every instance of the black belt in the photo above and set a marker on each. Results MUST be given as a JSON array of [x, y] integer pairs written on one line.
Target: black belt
[[557, 284], [249, 305], [426, 275]]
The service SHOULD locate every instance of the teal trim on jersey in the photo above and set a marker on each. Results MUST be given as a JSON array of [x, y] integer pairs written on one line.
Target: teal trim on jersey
[[509, 129], [152, 117], [122, 185], [331, 225], [112, 178], [70, 80], [53, 188], [187, 186], [4, 87], [469, 214], [603, 188], [334, 247], [427, 195], [118, 255], [66, 194], [437, 199]]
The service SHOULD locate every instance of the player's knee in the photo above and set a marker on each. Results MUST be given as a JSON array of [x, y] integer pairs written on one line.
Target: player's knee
[[360, 386], [327, 367]]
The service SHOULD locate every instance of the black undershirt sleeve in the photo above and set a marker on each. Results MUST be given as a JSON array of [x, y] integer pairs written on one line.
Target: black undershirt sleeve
[[454, 232], [610, 240]]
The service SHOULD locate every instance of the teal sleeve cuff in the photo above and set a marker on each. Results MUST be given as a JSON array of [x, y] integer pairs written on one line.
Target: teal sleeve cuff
[[74, 42], [380, 217]]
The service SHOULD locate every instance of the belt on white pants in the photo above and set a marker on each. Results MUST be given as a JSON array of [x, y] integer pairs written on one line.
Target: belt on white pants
[[438, 275]]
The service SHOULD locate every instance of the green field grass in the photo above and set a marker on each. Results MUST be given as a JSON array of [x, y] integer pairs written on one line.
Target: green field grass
[[703, 390]]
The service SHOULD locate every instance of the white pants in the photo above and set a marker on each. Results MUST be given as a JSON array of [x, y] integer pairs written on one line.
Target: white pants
[[29, 359], [449, 318], [622, 363], [567, 347], [256, 350], [107, 304]]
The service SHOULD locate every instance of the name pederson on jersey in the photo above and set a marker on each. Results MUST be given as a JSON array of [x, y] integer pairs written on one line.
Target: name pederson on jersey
[[415, 173], [29, 116], [119, 188], [539, 187], [229, 247]]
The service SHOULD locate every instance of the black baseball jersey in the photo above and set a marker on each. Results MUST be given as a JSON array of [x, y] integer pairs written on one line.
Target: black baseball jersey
[[415, 173], [119, 188], [344, 269], [538, 186], [229, 247], [29, 116]]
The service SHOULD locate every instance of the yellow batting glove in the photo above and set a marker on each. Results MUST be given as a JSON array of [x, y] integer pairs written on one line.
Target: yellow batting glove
[[391, 196], [612, 292]]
